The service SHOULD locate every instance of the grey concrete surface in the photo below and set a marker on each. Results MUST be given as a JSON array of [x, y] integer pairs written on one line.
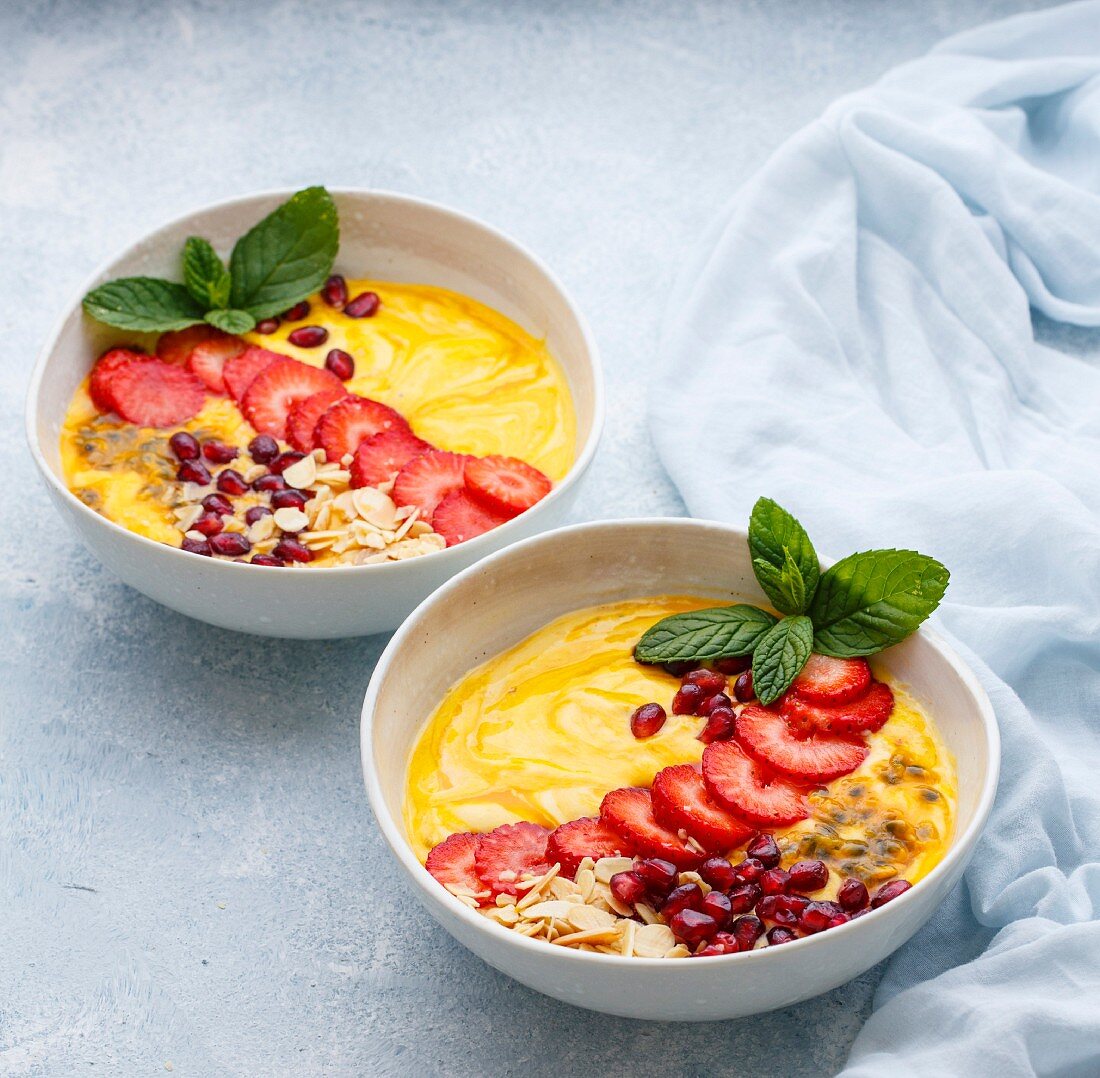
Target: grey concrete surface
[[190, 878]]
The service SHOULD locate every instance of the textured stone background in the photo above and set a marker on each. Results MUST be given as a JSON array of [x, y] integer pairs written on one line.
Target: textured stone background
[[189, 871]]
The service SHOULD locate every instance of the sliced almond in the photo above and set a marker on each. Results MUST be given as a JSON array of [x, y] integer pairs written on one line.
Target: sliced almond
[[653, 941], [187, 515], [606, 867], [553, 908], [591, 935], [302, 473], [290, 519], [585, 917]]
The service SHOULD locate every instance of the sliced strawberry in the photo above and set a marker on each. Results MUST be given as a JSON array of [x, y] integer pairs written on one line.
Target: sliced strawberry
[[509, 852], [240, 371], [505, 484], [458, 518], [572, 842], [276, 389], [863, 716], [304, 416], [825, 680], [105, 366], [152, 393], [177, 345], [766, 736], [629, 811], [681, 802], [736, 782], [452, 863], [383, 454], [207, 360], [427, 479], [354, 420]]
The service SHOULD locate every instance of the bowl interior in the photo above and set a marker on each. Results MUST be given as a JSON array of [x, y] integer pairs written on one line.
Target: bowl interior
[[502, 600], [385, 236]]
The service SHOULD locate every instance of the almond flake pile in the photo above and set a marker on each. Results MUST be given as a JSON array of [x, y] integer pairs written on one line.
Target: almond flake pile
[[582, 913]]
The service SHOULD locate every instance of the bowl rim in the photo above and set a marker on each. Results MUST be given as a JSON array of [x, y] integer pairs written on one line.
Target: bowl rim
[[488, 541], [960, 849]]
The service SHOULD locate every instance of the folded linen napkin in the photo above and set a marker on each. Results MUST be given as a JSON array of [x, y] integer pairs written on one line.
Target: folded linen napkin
[[855, 339]]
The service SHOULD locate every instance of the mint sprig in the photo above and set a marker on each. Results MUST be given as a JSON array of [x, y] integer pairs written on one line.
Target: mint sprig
[[281, 260], [864, 604]]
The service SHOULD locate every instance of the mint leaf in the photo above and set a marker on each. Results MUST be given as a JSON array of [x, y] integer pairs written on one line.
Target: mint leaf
[[287, 256], [143, 304], [231, 321], [205, 274], [874, 599], [783, 558], [718, 632], [779, 657]]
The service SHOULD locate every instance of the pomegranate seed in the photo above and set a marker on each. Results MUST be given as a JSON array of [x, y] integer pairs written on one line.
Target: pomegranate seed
[[364, 305], [742, 687], [266, 326], [196, 546], [767, 907], [808, 876], [230, 481], [263, 449], [713, 703], [658, 875], [749, 871], [219, 452], [688, 896], [747, 930], [709, 681], [285, 460], [788, 909], [737, 665], [308, 336], [678, 667], [852, 896], [193, 471], [718, 906], [267, 559], [209, 524], [780, 935], [744, 897], [335, 292], [288, 499], [687, 700], [815, 918], [184, 445], [628, 888], [888, 892], [774, 881], [719, 726], [297, 312], [340, 363], [217, 503], [230, 544], [292, 550], [723, 943], [691, 926], [764, 849], [647, 720], [257, 512], [269, 482], [718, 873]]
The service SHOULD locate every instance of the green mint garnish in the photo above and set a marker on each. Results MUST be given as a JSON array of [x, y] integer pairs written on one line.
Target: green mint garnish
[[281, 260], [780, 655], [722, 632], [783, 558]]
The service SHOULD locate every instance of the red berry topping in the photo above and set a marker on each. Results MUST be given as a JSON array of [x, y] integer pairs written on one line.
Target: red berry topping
[[691, 927], [506, 485], [269, 482], [230, 544], [719, 907], [297, 312], [808, 876], [266, 326], [750, 870], [288, 499], [572, 842], [276, 389], [335, 292], [266, 559], [217, 503], [852, 896], [257, 512], [351, 421], [196, 546], [452, 863], [151, 393], [744, 896], [712, 703], [365, 305], [628, 888], [508, 852], [818, 916], [207, 360], [230, 481], [709, 681], [304, 415], [688, 896], [780, 935], [381, 456], [285, 460], [736, 782], [218, 452], [629, 811], [184, 445], [209, 524], [736, 665], [677, 668], [681, 802], [340, 363], [742, 688], [658, 875], [863, 716], [775, 881], [688, 700], [308, 336], [647, 720], [764, 849], [888, 892], [177, 345], [239, 372], [291, 550], [747, 930], [768, 739], [717, 872], [719, 726], [193, 471], [829, 681], [458, 517], [105, 367], [263, 449]]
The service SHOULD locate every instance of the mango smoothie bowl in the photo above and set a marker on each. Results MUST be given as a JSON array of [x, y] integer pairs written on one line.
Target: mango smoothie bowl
[[639, 774], [353, 382]]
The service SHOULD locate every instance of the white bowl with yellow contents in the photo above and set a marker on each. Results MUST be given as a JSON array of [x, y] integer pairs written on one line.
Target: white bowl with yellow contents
[[487, 619], [387, 238]]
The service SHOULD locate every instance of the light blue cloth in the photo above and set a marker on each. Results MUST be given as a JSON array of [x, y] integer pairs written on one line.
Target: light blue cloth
[[854, 340]]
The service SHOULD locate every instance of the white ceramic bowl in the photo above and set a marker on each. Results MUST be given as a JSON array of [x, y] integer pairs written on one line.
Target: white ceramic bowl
[[503, 599], [382, 235]]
